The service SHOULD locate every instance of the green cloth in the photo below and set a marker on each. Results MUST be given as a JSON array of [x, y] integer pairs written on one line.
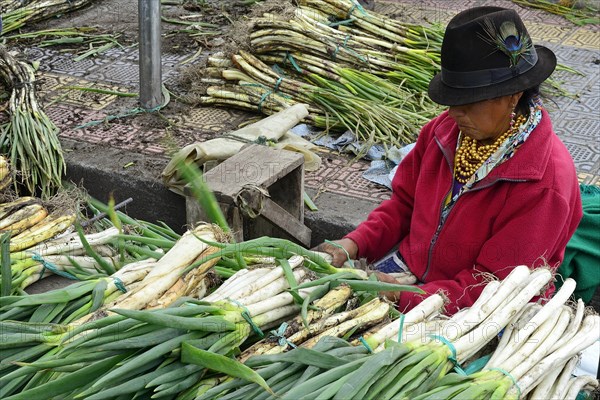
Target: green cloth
[[582, 255]]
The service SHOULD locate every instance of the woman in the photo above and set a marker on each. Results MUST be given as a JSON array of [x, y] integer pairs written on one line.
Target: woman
[[489, 185]]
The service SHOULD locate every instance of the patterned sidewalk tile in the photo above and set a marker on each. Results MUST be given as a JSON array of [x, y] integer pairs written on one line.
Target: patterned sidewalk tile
[[119, 72], [408, 7], [173, 60], [454, 6], [123, 136], [589, 179], [585, 38], [544, 33], [47, 83], [124, 73], [339, 175], [92, 100], [38, 54], [577, 58], [572, 83], [68, 118], [580, 84], [55, 88], [531, 16], [64, 63], [544, 27], [119, 53], [588, 104], [578, 129], [212, 119], [586, 156], [418, 13]]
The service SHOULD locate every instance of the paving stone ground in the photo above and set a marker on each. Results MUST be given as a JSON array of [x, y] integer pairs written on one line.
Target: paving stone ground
[[576, 119]]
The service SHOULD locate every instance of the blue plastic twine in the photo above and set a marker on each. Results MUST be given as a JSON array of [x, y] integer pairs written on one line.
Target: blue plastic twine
[[364, 343], [401, 328], [53, 268], [119, 284], [248, 318], [452, 357], [512, 378], [279, 334]]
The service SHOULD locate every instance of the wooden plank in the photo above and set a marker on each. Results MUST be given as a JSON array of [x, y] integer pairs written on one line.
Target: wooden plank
[[279, 217], [195, 214], [272, 217], [255, 165]]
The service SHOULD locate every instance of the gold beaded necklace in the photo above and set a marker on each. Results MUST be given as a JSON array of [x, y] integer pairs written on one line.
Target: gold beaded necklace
[[471, 154]]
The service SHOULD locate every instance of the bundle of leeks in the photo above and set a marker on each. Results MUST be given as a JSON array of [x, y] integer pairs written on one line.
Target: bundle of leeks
[[363, 72], [418, 366], [29, 138], [17, 13]]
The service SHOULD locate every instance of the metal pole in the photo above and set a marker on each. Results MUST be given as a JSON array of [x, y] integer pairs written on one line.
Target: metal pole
[[150, 68]]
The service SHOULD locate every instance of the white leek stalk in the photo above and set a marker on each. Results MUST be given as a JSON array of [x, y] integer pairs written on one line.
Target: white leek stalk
[[585, 337], [573, 326], [430, 305], [273, 288], [246, 287], [70, 243], [544, 389], [549, 309], [469, 344], [585, 382], [488, 291], [561, 385], [169, 268], [517, 323], [536, 346], [236, 282]]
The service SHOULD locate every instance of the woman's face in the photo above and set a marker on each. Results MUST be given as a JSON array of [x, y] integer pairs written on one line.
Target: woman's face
[[485, 120]]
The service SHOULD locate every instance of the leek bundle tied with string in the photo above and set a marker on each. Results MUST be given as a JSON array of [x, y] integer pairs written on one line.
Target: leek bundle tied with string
[[149, 343], [363, 71], [29, 137], [42, 242], [17, 13], [422, 347]]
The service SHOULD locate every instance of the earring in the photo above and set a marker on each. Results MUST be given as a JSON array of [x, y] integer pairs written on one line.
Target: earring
[[512, 118]]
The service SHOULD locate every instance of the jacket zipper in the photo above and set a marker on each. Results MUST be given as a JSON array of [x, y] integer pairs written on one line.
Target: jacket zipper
[[443, 219]]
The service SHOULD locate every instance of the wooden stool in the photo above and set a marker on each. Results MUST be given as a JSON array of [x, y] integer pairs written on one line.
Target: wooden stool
[[260, 191]]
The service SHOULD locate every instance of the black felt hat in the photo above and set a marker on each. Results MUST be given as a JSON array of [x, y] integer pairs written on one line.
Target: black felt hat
[[487, 53]]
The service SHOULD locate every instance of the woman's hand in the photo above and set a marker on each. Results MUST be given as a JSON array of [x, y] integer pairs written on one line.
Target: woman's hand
[[337, 252], [391, 296]]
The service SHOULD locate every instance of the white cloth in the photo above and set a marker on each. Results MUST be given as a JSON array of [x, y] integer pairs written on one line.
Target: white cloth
[[589, 361]]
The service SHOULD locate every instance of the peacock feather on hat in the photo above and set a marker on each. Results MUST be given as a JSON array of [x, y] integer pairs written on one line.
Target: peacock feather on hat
[[508, 39]]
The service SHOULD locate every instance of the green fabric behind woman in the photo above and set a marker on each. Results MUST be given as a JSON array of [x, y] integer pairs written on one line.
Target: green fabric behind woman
[[582, 255]]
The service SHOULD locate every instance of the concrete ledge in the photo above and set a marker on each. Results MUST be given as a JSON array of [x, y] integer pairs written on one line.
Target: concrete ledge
[[101, 172], [337, 215]]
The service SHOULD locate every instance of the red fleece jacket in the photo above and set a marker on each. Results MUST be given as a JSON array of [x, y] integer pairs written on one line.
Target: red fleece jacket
[[522, 213]]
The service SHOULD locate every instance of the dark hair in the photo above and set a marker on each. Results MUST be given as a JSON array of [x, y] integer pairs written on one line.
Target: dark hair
[[528, 95]]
